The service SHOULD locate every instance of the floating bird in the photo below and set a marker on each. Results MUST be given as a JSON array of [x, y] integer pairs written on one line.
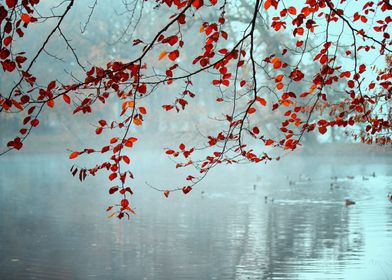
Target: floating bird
[[303, 177], [365, 178], [334, 185], [266, 199], [349, 202], [335, 178], [374, 174], [254, 187], [291, 183]]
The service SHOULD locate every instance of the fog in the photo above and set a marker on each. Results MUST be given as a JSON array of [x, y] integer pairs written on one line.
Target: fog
[[287, 219]]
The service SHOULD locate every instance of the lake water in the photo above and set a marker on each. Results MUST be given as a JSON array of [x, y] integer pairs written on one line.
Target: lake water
[[53, 227]]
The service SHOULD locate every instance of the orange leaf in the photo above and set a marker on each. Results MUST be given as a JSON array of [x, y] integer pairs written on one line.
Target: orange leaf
[[138, 122], [127, 104], [286, 102], [73, 155], [50, 103], [269, 142], [267, 4], [292, 10], [279, 78], [275, 60], [312, 88], [112, 215], [251, 110], [261, 101], [25, 18], [130, 210], [67, 99], [162, 55]]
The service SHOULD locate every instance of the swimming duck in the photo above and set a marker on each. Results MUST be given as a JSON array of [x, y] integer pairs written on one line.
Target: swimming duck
[[303, 177], [349, 202]]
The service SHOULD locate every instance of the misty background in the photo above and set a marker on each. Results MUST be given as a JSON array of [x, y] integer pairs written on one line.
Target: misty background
[[283, 220]]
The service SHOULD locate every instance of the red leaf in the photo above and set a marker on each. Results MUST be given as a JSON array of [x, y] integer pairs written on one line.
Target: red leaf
[[186, 190], [173, 55], [124, 203], [7, 41], [143, 110], [102, 122], [8, 65], [51, 85], [142, 88], [322, 129], [126, 159], [98, 130], [105, 149], [197, 3], [350, 84], [17, 104], [34, 122], [362, 68], [168, 107], [112, 190], [166, 193], [11, 3], [112, 176], [20, 59]]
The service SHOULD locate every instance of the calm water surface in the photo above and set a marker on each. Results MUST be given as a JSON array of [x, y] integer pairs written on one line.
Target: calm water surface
[[53, 227]]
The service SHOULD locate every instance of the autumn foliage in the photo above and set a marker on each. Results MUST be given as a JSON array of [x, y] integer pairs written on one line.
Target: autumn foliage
[[321, 77]]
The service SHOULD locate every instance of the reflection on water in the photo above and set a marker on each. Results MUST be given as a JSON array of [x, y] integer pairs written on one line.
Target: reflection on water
[[52, 227]]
